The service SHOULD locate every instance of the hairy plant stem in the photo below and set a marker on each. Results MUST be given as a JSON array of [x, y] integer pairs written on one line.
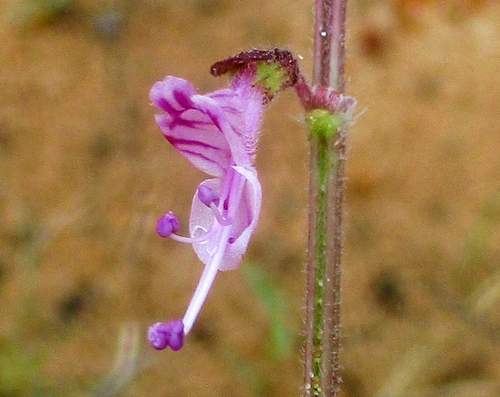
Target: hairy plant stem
[[327, 157], [329, 44]]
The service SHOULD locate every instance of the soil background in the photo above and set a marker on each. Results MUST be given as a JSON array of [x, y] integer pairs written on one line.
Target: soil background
[[85, 173]]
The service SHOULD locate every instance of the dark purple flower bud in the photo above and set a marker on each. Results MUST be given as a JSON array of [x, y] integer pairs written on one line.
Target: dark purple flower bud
[[161, 335], [274, 70], [276, 56], [207, 196], [167, 225]]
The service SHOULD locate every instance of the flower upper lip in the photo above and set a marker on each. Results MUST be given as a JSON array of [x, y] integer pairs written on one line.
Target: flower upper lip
[[214, 130]]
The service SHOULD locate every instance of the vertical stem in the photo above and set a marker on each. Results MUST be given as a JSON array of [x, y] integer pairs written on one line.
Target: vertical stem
[[329, 44], [322, 377], [333, 265], [316, 267]]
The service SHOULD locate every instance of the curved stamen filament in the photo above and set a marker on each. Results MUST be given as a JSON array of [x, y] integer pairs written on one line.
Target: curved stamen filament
[[194, 240], [222, 221], [210, 271], [205, 283]]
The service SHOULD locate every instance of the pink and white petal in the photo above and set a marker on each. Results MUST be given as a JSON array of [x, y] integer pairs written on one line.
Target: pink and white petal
[[246, 220], [172, 94], [202, 220], [219, 117], [253, 107], [204, 146], [189, 129], [244, 114], [253, 192]]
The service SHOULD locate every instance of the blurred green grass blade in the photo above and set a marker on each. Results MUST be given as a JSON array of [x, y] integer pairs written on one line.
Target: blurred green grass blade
[[281, 341]]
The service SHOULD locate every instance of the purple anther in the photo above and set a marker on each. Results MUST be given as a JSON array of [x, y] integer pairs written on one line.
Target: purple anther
[[167, 225], [161, 335], [207, 196]]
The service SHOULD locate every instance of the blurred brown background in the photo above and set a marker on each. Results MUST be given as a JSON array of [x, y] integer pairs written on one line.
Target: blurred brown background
[[85, 173]]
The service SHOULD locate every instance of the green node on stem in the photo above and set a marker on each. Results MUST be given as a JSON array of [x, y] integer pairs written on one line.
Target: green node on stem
[[322, 123]]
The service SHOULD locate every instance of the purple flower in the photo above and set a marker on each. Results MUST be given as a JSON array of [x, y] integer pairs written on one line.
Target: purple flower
[[218, 134]]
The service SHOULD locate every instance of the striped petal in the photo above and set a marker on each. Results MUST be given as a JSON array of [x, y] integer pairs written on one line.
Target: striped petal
[[190, 130], [212, 131]]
